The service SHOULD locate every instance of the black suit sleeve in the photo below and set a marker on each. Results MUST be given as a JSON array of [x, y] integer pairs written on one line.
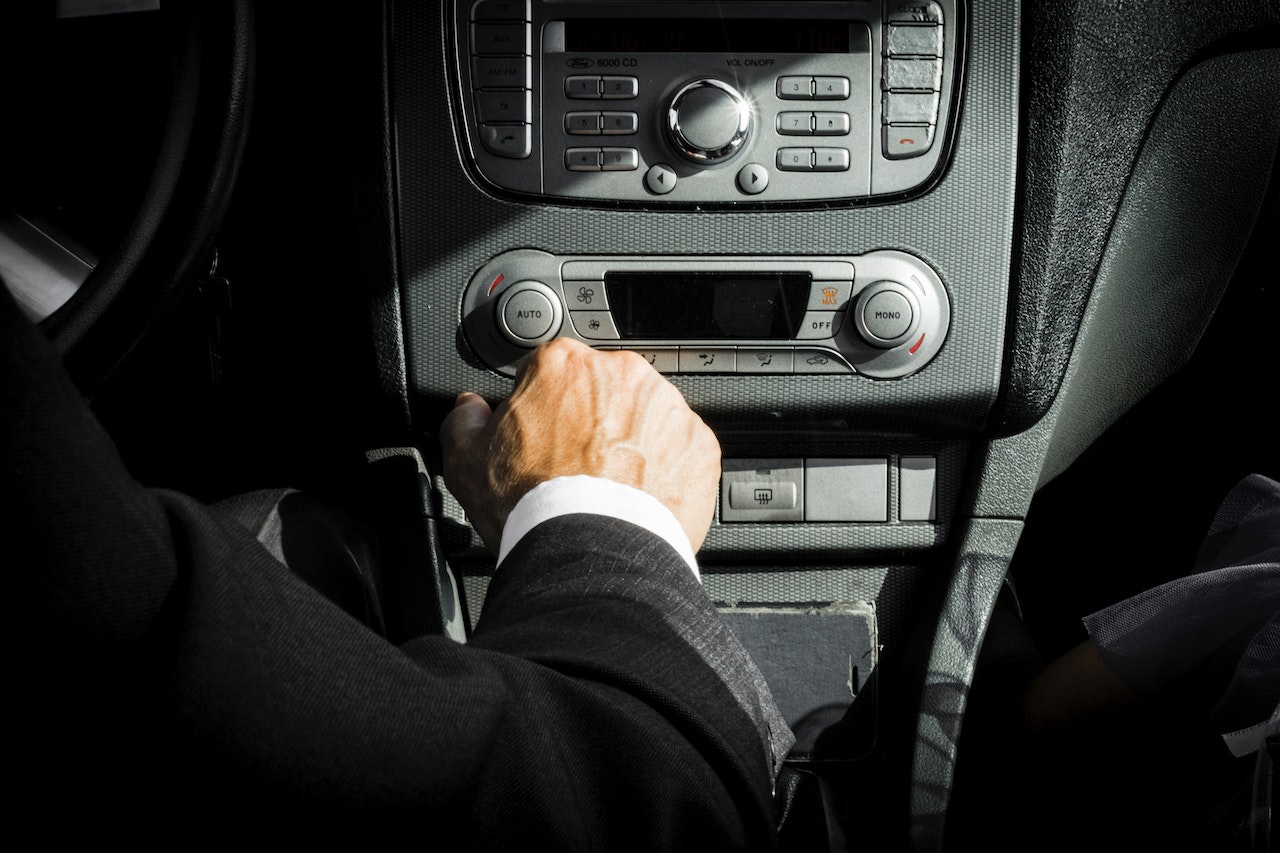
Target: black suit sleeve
[[170, 671]]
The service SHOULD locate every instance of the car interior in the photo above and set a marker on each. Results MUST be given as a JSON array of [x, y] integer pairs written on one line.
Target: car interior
[[973, 294]]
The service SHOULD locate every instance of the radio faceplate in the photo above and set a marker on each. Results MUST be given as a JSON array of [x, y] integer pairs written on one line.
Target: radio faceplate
[[705, 103], [884, 314]]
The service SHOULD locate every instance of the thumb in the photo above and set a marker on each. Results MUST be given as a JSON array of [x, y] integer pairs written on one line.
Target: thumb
[[467, 420]]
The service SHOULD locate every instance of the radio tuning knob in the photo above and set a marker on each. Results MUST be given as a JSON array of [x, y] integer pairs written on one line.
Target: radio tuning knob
[[708, 121]]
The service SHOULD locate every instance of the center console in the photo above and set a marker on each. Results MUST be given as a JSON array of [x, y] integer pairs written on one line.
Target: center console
[[801, 213]]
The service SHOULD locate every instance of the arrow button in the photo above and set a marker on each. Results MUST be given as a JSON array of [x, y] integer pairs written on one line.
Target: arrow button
[[660, 179], [753, 178]]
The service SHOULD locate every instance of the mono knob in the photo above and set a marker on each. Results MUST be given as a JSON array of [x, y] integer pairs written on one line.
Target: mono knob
[[708, 121], [886, 314]]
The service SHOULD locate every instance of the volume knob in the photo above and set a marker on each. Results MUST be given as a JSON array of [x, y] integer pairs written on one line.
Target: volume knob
[[708, 121]]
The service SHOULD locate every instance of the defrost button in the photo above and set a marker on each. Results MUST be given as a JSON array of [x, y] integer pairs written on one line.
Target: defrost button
[[766, 360]]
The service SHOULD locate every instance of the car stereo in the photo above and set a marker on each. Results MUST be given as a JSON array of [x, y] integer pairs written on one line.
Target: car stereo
[[705, 102], [883, 314]]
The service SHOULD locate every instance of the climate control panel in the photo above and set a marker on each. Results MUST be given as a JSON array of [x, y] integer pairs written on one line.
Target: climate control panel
[[883, 314]]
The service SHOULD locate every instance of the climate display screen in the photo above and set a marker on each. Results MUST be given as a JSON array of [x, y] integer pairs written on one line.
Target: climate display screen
[[707, 306], [584, 35]]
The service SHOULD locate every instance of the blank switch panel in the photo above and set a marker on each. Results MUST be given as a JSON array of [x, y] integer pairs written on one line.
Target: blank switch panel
[[853, 489], [918, 488], [846, 489]]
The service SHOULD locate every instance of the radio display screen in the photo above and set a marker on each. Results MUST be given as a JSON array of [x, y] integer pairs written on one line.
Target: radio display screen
[[735, 35], [708, 306]]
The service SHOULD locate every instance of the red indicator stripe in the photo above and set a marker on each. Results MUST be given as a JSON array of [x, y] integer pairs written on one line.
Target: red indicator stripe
[[917, 345], [497, 281]]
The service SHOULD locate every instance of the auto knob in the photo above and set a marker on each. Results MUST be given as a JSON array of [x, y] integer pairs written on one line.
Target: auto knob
[[708, 121], [529, 313]]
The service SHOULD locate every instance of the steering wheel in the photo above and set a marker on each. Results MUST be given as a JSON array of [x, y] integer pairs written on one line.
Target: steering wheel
[[170, 241]]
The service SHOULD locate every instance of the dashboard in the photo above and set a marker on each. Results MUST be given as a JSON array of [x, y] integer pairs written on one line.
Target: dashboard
[[915, 262], [805, 215]]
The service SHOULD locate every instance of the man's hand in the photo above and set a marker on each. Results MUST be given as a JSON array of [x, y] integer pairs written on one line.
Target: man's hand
[[578, 411]]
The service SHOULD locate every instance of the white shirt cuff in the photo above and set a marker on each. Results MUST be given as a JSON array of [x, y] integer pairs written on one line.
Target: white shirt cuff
[[595, 496]]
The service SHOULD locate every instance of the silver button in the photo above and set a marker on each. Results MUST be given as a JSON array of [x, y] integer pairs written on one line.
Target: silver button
[[619, 123], [831, 124], [763, 494], [765, 360], [915, 41], [921, 74], [594, 325], [795, 88], [762, 490], [819, 325], [514, 141], [707, 360], [528, 315], [582, 159], [830, 88], [830, 160], [795, 124], [501, 10], [619, 159], [513, 107], [580, 87], [619, 88], [489, 39], [660, 179], [910, 108], [887, 315], [663, 360], [903, 141], [829, 295], [913, 12], [753, 178], [820, 361], [795, 159], [511, 72], [582, 124], [586, 295]]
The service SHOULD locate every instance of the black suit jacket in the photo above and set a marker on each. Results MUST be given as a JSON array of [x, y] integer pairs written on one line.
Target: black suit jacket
[[169, 672]]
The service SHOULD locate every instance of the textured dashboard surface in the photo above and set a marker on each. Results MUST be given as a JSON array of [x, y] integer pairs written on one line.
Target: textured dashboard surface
[[449, 227], [1098, 73]]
